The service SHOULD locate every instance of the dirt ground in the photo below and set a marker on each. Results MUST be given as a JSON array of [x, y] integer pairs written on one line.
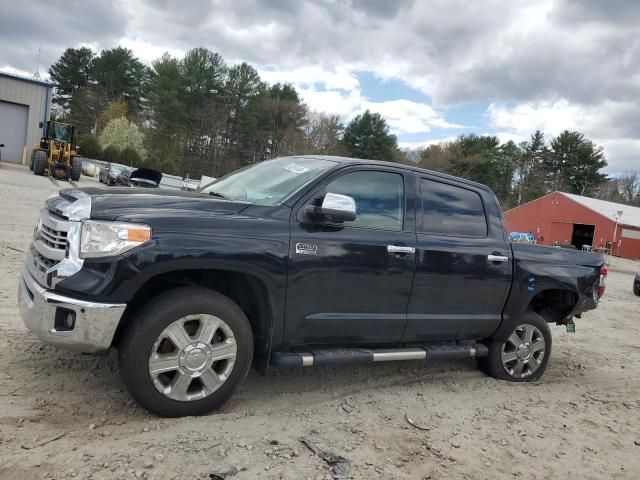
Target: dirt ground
[[66, 415]]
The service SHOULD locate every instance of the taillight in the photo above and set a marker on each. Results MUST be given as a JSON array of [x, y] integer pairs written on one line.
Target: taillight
[[603, 280]]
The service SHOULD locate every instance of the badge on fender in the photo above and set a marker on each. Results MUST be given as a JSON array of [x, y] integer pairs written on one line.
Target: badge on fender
[[306, 249]]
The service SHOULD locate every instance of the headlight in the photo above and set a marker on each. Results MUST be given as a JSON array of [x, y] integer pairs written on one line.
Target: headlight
[[105, 239]]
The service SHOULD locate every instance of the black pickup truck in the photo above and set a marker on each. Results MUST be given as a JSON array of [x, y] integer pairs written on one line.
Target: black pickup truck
[[298, 261]]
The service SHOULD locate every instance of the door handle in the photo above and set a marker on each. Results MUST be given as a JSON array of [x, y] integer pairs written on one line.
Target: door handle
[[497, 258], [400, 249]]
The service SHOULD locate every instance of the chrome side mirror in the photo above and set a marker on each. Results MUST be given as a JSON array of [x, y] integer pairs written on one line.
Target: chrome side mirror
[[338, 202], [335, 208]]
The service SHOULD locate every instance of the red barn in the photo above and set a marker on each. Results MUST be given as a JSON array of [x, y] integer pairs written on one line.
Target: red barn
[[571, 219]]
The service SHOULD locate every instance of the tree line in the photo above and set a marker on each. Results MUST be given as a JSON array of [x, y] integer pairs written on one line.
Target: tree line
[[197, 115], [519, 173]]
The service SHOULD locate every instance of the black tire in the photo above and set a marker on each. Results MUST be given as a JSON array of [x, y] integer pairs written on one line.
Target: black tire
[[147, 325], [76, 168], [33, 157], [493, 364], [39, 162], [636, 290]]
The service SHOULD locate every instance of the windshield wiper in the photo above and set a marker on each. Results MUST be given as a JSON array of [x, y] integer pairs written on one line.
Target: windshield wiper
[[219, 195]]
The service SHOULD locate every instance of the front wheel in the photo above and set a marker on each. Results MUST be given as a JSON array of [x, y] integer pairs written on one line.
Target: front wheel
[[39, 162], [76, 168], [523, 357], [186, 352]]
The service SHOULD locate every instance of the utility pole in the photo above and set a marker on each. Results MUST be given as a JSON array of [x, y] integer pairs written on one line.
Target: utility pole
[[36, 75], [617, 216]]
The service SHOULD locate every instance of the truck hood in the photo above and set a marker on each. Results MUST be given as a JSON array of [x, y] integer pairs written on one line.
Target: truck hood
[[119, 203], [146, 174]]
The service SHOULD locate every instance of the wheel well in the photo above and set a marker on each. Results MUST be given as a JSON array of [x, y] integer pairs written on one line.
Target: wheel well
[[247, 290], [553, 305]]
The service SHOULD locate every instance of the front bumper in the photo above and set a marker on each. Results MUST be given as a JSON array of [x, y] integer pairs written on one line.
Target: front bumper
[[43, 312]]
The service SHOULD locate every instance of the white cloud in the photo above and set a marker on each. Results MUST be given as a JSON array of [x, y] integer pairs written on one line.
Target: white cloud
[[424, 143], [146, 51], [550, 64], [406, 116], [612, 125], [337, 91], [346, 104], [332, 79]]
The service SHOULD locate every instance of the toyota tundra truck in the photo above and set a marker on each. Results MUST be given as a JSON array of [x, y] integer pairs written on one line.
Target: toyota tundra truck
[[295, 262]]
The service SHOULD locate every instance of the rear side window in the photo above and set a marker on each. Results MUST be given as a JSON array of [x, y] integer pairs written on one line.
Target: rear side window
[[451, 210]]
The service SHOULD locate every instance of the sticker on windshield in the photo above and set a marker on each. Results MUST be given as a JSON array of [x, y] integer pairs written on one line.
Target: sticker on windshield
[[297, 169]]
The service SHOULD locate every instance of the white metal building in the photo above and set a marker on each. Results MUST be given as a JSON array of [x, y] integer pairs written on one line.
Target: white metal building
[[24, 103]]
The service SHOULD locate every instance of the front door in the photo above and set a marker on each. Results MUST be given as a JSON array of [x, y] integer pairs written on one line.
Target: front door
[[347, 282], [463, 270]]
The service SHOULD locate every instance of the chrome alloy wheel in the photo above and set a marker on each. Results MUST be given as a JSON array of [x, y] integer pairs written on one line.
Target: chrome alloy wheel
[[192, 357], [524, 351]]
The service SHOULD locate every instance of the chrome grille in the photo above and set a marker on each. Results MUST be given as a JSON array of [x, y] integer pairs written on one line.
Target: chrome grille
[[53, 238], [41, 263], [54, 254]]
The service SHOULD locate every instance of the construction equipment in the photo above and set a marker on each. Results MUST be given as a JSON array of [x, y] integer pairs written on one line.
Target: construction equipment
[[55, 155]]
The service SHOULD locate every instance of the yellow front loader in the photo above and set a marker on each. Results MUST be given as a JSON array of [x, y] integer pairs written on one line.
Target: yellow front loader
[[55, 155]]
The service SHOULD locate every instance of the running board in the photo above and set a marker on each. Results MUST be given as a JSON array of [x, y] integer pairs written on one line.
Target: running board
[[345, 356]]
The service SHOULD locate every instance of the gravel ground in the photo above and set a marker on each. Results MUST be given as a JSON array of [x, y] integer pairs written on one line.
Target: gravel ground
[[67, 415]]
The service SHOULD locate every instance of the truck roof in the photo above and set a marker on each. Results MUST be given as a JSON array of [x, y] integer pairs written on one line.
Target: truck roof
[[364, 161]]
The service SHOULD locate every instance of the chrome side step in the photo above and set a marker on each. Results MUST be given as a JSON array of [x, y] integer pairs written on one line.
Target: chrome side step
[[344, 356]]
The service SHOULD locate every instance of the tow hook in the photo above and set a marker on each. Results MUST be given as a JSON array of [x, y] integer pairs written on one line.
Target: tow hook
[[571, 327], [568, 322]]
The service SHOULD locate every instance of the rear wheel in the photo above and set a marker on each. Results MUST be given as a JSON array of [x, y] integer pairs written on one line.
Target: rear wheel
[[33, 156], [186, 352], [76, 168], [523, 357], [636, 290], [39, 162]]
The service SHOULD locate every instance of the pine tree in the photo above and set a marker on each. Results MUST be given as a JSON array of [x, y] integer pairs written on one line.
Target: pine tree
[[573, 163], [367, 136], [529, 172], [70, 73]]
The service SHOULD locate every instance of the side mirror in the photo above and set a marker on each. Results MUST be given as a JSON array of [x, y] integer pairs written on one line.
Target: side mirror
[[41, 124], [1, 145], [335, 208]]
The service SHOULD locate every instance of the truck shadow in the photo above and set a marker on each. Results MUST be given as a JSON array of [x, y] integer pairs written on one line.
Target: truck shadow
[[62, 387]]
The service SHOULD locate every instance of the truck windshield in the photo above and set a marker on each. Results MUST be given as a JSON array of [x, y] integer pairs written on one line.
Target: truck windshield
[[268, 182]]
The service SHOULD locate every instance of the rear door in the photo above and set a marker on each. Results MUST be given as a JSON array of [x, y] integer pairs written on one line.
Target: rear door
[[349, 283], [463, 270]]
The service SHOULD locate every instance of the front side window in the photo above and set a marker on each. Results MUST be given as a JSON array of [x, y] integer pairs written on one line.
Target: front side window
[[451, 210], [379, 198]]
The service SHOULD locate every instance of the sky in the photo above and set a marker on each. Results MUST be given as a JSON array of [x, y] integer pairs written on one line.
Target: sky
[[434, 69]]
